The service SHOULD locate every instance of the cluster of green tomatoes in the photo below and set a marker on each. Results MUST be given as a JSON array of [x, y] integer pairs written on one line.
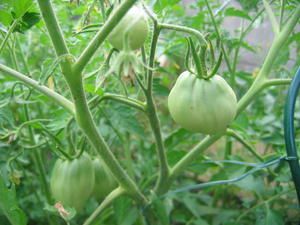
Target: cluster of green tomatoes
[[202, 103], [199, 102], [74, 181]]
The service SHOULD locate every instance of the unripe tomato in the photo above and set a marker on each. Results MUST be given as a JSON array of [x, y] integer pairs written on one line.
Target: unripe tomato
[[104, 180], [72, 181], [136, 24], [199, 105]]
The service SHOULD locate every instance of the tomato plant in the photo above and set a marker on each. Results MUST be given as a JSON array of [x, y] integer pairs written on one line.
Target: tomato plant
[[101, 76]]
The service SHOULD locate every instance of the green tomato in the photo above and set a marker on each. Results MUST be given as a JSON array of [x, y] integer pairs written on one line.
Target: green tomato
[[199, 105], [72, 181], [136, 24], [104, 180]]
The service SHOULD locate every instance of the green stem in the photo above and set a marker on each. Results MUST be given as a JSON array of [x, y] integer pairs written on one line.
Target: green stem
[[23, 57], [282, 5], [106, 202], [193, 153], [9, 32], [184, 29], [36, 152], [56, 35], [272, 17], [87, 125], [249, 147], [102, 9], [203, 61], [125, 100], [99, 38], [222, 46], [87, 14], [228, 147], [197, 61], [276, 82], [57, 98], [236, 52], [153, 118]]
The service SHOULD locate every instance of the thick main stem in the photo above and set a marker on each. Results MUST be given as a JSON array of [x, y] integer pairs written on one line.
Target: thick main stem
[[82, 113], [86, 123]]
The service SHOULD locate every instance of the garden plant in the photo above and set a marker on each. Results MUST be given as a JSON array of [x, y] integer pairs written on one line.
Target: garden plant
[[140, 112]]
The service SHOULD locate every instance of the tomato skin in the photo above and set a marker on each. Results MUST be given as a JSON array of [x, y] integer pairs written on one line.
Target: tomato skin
[[136, 22], [72, 181], [205, 106], [104, 180]]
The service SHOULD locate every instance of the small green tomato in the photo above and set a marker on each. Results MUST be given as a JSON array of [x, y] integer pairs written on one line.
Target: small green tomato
[[135, 24]]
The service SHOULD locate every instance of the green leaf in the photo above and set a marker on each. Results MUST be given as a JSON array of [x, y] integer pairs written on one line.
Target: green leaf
[[125, 213], [200, 222], [9, 205], [20, 7], [248, 5], [28, 20], [192, 205], [125, 118], [270, 218], [5, 17], [158, 88], [251, 183], [161, 212], [231, 11]]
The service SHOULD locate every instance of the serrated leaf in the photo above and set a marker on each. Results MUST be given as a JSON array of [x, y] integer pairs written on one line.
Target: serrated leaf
[[9, 205], [231, 11]]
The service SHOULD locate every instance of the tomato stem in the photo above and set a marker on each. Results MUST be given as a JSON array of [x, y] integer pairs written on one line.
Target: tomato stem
[[200, 71], [105, 203], [54, 96], [152, 114], [203, 61], [9, 32]]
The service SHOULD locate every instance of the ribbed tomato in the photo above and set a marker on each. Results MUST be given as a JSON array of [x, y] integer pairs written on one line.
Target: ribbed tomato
[[104, 180], [199, 105], [72, 181], [136, 24]]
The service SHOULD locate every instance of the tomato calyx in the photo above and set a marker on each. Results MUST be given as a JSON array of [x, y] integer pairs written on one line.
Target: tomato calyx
[[199, 59]]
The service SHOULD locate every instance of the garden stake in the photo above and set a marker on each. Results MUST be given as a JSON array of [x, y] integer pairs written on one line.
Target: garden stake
[[289, 134]]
